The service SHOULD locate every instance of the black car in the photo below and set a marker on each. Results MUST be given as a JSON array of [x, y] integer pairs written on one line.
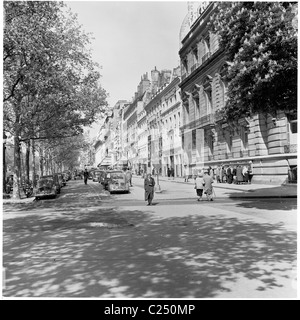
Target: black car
[[56, 181], [46, 188], [107, 176]]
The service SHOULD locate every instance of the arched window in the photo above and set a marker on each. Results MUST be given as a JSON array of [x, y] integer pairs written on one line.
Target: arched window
[[207, 87]]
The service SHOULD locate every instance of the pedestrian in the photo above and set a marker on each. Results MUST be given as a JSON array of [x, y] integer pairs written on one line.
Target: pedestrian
[[129, 177], [250, 171], [168, 172], [149, 184], [229, 175], [208, 188], [199, 185], [234, 174], [172, 173], [245, 174], [186, 173], [85, 176], [239, 175], [218, 174]]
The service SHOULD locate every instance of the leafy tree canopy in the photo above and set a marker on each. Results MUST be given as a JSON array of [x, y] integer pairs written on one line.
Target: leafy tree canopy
[[51, 84], [260, 42]]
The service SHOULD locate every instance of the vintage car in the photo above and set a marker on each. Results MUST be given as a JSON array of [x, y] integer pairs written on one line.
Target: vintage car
[[97, 175], [61, 179], [46, 188], [117, 182], [56, 181], [106, 177]]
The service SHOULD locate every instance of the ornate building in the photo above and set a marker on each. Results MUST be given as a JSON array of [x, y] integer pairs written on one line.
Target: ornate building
[[270, 143]]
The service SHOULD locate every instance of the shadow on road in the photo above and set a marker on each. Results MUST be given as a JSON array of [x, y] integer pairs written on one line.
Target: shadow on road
[[109, 253]]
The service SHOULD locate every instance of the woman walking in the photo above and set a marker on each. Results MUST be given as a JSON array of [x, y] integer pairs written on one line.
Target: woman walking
[[239, 175], [245, 174], [208, 188], [199, 185]]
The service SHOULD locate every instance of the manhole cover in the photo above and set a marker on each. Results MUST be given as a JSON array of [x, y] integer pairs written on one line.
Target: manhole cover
[[109, 225]]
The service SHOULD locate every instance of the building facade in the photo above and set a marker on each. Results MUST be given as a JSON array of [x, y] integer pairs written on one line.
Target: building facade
[[174, 125], [270, 143]]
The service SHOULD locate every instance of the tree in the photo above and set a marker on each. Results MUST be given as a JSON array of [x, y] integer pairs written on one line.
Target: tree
[[260, 43], [51, 84]]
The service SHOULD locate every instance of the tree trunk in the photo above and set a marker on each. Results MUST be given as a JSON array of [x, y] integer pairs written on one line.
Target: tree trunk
[[33, 164], [17, 168], [27, 164], [41, 155]]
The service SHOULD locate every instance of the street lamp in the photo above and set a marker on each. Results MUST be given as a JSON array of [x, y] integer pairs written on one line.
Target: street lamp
[[4, 162]]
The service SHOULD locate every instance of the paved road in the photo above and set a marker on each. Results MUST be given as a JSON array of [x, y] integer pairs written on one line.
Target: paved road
[[87, 243]]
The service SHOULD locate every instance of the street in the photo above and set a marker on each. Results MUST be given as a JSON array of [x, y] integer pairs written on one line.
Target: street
[[88, 243]]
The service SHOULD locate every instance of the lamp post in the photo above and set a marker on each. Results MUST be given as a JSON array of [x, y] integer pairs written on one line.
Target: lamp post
[[4, 162]]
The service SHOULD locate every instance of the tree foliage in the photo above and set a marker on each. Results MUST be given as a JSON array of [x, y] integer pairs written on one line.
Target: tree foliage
[[48, 70], [51, 84], [260, 42]]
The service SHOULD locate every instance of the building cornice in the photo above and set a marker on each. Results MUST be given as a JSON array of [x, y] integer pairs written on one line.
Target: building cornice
[[163, 91], [171, 109], [201, 70]]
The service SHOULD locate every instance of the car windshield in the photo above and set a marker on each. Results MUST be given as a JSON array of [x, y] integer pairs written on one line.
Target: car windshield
[[45, 182], [117, 175]]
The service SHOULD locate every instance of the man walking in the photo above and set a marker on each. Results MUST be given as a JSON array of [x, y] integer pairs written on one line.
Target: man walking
[[149, 184], [85, 176]]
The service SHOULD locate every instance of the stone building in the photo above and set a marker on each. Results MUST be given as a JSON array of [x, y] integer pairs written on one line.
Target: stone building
[[102, 145], [130, 124], [270, 143]]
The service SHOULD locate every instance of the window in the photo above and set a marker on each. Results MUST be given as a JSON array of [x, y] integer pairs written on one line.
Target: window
[[244, 137], [229, 142], [293, 126], [208, 93], [211, 144], [194, 139]]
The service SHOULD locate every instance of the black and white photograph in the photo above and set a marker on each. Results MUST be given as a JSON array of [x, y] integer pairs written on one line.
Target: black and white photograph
[[149, 152]]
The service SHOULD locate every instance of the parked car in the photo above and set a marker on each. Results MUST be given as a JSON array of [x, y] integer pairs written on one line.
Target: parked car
[[66, 175], [46, 188], [56, 181], [107, 176], [96, 175], [9, 184], [117, 182], [27, 187], [61, 179]]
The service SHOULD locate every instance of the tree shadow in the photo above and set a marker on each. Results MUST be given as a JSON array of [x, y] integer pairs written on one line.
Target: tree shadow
[[114, 253], [255, 198]]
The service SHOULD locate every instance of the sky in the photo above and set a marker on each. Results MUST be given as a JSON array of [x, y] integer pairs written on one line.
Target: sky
[[130, 39]]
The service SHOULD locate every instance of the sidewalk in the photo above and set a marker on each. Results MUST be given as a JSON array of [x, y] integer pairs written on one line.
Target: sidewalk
[[247, 190], [7, 198]]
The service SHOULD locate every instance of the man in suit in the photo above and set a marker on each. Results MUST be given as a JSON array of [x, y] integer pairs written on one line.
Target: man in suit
[[149, 184]]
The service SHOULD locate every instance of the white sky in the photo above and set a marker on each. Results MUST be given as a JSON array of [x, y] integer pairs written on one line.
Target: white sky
[[131, 38]]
